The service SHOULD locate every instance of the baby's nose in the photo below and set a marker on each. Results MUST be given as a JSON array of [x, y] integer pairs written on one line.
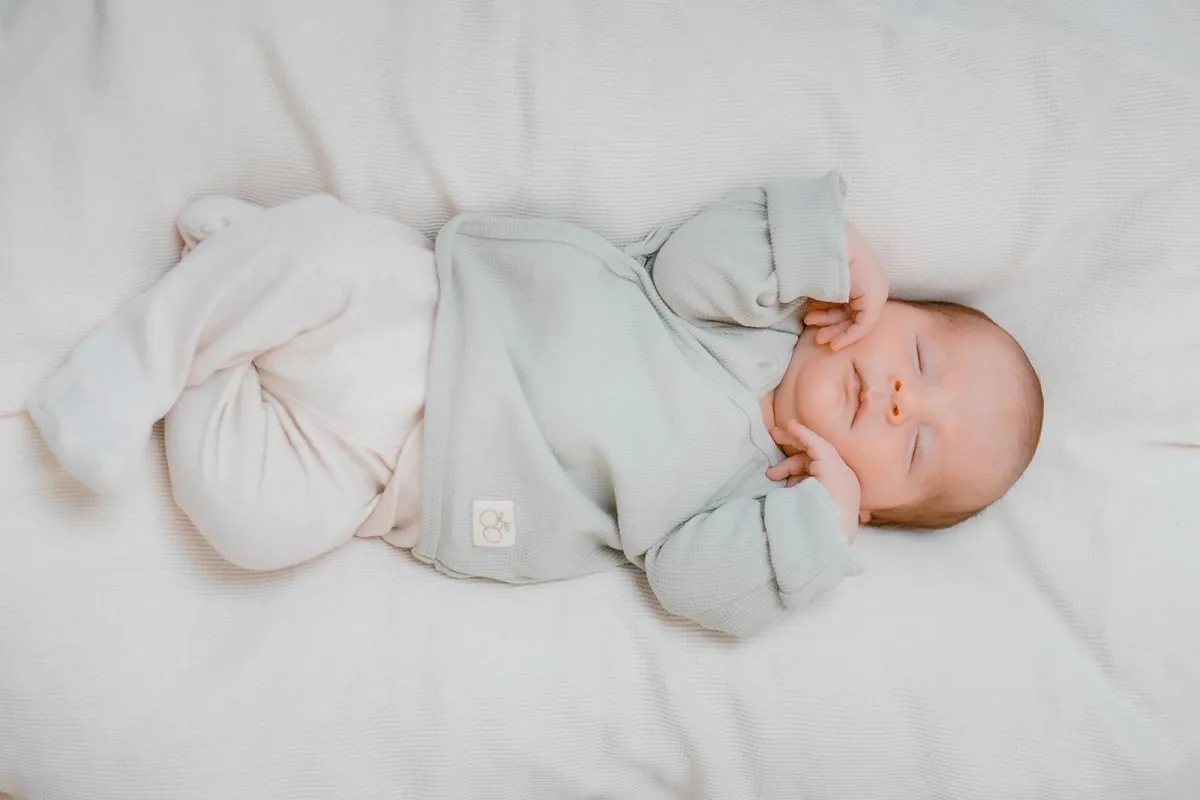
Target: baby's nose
[[896, 401]]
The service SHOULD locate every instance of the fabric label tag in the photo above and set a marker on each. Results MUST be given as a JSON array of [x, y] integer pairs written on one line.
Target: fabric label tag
[[494, 523]]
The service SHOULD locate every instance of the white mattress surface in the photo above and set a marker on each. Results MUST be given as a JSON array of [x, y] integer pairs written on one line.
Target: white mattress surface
[[1037, 159]]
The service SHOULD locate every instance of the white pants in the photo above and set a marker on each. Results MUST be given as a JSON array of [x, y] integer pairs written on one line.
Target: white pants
[[288, 353]]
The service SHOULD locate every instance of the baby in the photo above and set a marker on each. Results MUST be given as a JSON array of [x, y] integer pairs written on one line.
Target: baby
[[721, 405]]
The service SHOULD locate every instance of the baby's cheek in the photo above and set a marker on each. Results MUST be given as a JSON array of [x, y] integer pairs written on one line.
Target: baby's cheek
[[868, 457]]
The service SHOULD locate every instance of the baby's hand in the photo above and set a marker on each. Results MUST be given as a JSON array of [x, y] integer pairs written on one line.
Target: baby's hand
[[810, 455], [844, 324]]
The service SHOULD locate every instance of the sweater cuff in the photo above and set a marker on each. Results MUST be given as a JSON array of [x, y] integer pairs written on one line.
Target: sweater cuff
[[808, 238], [809, 551]]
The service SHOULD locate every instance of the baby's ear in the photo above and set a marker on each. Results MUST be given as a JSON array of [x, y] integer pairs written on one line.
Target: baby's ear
[[864, 517]]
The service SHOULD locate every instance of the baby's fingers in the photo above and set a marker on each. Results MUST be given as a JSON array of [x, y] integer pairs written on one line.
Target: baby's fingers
[[826, 316], [866, 314], [828, 334], [848, 335], [816, 447], [783, 438], [789, 467]]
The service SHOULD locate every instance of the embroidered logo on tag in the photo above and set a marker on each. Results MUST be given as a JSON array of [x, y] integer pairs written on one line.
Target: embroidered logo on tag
[[494, 523]]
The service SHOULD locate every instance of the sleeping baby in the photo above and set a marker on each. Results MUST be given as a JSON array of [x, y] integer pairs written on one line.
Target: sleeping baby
[[721, 405]]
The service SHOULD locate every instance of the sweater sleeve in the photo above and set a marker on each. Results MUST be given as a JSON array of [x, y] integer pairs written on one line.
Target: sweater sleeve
[[739, 567], [754, 257]]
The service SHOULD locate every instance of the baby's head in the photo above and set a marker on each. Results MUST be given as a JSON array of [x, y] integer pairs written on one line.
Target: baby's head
[[938, 411]]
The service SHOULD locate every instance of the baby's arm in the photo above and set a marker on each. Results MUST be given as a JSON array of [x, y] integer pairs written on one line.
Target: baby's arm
[[739, 567], [754, 257]]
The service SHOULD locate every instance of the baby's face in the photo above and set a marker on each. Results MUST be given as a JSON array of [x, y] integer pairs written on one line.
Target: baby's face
[[917, 407]]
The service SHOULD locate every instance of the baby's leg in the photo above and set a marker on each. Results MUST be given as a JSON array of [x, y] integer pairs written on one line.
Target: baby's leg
[[102, 448], [289, 346], [262, 478], [97, 410], [282, 460]]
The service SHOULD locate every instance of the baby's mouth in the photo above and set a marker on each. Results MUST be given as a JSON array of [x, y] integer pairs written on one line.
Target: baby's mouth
[[854, 390]]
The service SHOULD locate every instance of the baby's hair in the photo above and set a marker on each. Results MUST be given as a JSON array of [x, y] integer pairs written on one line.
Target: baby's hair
[[941, 510]]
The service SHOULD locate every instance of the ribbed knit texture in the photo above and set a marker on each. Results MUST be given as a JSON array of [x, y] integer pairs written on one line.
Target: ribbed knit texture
[[616, 403]]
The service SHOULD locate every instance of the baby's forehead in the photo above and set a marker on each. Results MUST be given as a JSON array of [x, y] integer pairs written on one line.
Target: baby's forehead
[[986, 408], [986, 377]]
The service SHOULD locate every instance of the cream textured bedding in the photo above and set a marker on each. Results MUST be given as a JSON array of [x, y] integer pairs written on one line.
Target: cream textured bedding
[[1038, 159]]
